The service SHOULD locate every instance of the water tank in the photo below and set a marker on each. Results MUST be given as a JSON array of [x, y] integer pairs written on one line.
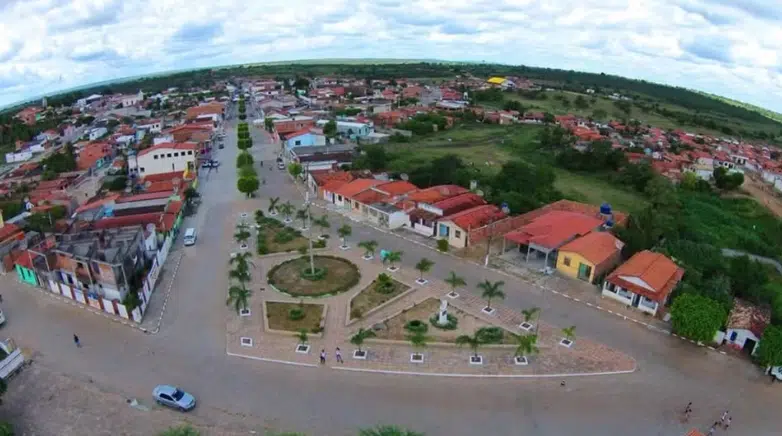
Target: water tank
[[605, 209], [609, 224]]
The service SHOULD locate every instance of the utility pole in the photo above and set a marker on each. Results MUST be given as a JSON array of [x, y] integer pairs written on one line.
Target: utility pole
[[309, 225]]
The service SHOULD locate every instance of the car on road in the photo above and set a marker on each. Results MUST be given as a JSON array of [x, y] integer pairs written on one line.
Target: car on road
[[173, 397], [281, 165], [210, 164], [221, 146]]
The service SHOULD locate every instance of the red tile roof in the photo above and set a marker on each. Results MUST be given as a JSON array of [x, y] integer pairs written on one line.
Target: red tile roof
[[163, 176], [398, 187], [747, 316], [322, 177], [595, 247], [369, 196], [352, 188], [649, 274], [475, 217], [95, 204], [23, 259], [8, 231], [128, 220], [553, 229], [143, 197], [436, 193], [459, 203], [174, 207], [170, 146], [299, 132]]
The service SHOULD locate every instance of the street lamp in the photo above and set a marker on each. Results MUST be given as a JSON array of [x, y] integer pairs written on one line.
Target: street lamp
[[505, 210], [309, 224]]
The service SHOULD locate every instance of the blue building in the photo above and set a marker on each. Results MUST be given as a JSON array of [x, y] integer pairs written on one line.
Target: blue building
[[304, 138]]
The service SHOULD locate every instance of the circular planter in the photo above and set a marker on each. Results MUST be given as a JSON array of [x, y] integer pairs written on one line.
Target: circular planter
[[319, 274], [452, 323], [416, 326], [339, 275]]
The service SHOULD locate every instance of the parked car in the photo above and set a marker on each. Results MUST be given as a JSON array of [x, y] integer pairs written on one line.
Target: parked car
[[281, 165], [173, 397], [221, 146], [210, 164]]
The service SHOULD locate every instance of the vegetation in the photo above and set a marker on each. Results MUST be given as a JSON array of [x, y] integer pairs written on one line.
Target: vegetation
[[491, 290], [361, 335], [388, 430], [182, 430], [307, 316], [392, 258], [369, 248], [697, 317], [455, 281], [340, 276], [474, 342], [569, 333], [423, 266], [526, 345], [344, 231], [769, 351]]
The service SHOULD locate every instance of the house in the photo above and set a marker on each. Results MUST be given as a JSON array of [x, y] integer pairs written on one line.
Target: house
[[746, 324], [153, 125], [213, 108], [164, 158], [94, 156], [645, 281], [287, 126], [132, 100], [350, 129], [501, 82], [29, 115], [433, 203], [546, 234], [306, 137], [97, 133], [377, 203], [456, 227], [590, 256], [342, 195]]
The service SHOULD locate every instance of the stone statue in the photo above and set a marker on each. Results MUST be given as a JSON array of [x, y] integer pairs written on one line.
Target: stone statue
[[443, 315]]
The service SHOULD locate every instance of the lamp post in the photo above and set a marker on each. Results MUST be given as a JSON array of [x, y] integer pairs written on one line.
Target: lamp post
[[309, 225], [506, 210]]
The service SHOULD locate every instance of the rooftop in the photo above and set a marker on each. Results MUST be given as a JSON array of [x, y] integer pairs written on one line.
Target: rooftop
[[595, 247], [352, 188], [554, 229], [436, 193], [747, 316], [475, 217], [169, 146], [647, 273], [106, 245]]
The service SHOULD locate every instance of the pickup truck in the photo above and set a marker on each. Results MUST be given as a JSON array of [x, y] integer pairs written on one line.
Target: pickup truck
[[775, 372], [12, 360]]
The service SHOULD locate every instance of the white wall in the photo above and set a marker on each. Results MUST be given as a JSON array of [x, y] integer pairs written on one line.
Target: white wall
[[163, 163], [741, 336]]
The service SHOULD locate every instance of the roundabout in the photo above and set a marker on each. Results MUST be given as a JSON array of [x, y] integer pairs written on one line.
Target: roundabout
[[332, 275]]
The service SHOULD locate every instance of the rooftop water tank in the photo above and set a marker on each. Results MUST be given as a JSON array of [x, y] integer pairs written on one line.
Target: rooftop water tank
[[605, 209]]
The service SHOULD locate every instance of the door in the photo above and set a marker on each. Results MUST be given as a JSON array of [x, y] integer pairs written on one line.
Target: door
[[636, 300], [749, 346], [584, 271], [167, 400]]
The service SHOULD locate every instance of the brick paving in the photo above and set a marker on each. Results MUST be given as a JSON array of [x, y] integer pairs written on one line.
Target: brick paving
[[586, 356]]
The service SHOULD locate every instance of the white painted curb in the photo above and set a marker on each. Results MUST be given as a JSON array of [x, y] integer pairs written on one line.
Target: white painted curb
[[264, 359], [530, 376]]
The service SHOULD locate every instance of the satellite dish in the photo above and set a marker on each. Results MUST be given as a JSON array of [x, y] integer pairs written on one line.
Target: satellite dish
[[479, 193], [404, 176]]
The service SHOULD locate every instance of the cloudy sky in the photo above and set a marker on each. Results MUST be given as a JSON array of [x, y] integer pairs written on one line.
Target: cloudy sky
[[728, 47]]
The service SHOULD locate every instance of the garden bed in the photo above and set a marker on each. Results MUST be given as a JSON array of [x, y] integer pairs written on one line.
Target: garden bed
[[278, 316], [276, 237], [374, 296], [467, 324], [338, 275]]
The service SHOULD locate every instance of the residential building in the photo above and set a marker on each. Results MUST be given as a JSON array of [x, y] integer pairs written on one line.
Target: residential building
[[590, 257], [350, 129], [307, 137], [342, 195], [501, 82], [456, 227], [152, 125], [645, 281], [434, 203], [287, 126], [97, 133], [132, 100], [213, 108], [94, 156], [377, 203], [321, 157], [29, 115], [746, 324], [164, 158]]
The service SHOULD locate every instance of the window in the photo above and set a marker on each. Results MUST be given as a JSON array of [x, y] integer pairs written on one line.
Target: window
[[733, 336], [298, 142], [566, 261], [176, 154], [142, 169], [457, 234], [155, 157], [168, 155], [190, 152]]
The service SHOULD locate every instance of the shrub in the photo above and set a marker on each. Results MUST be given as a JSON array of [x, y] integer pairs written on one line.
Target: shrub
[[303, 250], [284, 236], [442, 245], [384, 284], [490, 335], [317, 329], [319, 274], [320, 243], [452, 323], [296, 314], [356, 313], [416, 326]]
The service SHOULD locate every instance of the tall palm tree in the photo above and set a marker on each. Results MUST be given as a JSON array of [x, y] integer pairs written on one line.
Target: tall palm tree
[[423, 266], [455, 281], [361, 335], [241, 275], [241, 260], [286, 209], [393, 257], [301, 214], [530, 313], [491, 290], [569, 333], [273, 205], [526, 345], [238, 296], [369, 248], [302, 336], [473, 342], [344, 232], [388, 430], [242, 234]]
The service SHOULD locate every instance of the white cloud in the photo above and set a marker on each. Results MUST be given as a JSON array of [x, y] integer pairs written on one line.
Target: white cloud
[[729, 47]]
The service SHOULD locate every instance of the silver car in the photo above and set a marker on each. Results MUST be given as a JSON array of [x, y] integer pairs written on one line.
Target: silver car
[[174, 397]]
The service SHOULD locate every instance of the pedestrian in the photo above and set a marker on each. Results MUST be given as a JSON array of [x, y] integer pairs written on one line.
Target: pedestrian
[[727, 423], [687, 411], [323, 357], [76, 341], [713, 429], [338, 355], [722, 418], [1, 298]]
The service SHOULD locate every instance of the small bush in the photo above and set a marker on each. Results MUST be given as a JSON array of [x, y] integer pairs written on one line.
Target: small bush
[[356, 313], [296, 314], [452, 323], [442, 245], [316, 330], [320, 243], [490, 335], [416, 326], [303, 250], [320, 274], [384, 284], [284, 236]]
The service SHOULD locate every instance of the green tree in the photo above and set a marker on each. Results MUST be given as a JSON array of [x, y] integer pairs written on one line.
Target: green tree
[[182, 430], [474, 342], [491, 290], [569, 333], [769, 351], [727, 181], [418, 340], [393, 257], [581, 102], [6, 429], [295, 169], [423, 266], [302, 336], [697, 317], [530, 313], [248, 185], [344, 231], [268, 124], [244, 159], [301, 214], [369, 247], [273, 205], [387, 430], [455, 281], [361, 335], [239, 297], [526, 345], [286, 209], [322, 222], [242, 233], [191, 194], [330, 130]]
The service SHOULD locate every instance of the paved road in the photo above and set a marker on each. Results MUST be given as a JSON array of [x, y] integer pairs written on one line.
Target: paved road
[[190, 351]]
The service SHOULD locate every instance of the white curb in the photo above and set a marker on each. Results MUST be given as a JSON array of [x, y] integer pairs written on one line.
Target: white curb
[[440, 374], [264, 359]]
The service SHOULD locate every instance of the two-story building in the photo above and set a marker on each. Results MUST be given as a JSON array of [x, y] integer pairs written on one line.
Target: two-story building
[[152, 125], [164, 158]]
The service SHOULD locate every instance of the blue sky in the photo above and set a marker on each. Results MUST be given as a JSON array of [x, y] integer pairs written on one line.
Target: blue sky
[[727, 47]]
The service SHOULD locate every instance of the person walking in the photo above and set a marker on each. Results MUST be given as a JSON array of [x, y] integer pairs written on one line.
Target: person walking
[[323, 357], [1, 298], [713, 429], [338, 355], [727, 423], [723, 417], [687, 411], [76, 341]]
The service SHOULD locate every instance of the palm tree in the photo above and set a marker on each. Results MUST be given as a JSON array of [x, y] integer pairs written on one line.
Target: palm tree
[[242, 234], [530, 313], [286, 209], [455, 282], [369, 248], [322, 222], [491, 290], [526, 345], [6, 429], [258, 216], [569, 333], [473, 342], [301, 214], [387, 430], [393, 257], [241, 260], [273, 205], [182, 430], [423, 266], [241, 275], [238, 296], [361, 335], [344, 232], [302, 336]]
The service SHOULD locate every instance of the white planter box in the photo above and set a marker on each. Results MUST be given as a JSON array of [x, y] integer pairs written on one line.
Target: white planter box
[[362, 356], [521, 360], [244, 312], [303, 348], [526, 326], [392, 269], [421, 282], [246, 342], [566, 343], [476, 360], [344, 247], [452, 295], [489, 310], [417, 358], [368, 257]]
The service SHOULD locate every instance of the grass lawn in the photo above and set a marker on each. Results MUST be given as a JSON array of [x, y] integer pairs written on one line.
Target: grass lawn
[[278, 238], [369, 298], [340, 275], [277, 314], [595, 191], [467, 325]]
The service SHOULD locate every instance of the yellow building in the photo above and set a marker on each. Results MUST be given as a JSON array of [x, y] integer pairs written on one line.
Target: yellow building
[[496, 80], [590, 256]]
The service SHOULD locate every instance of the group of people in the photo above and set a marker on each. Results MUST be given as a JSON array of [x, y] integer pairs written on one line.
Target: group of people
[[724, 421], [337, 355]]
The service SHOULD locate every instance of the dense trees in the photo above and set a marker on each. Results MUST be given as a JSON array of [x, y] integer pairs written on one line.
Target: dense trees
[[696, 317], [727, 181]]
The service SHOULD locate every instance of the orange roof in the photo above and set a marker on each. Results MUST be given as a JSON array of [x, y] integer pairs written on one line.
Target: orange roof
[[128, 220], [369, 196], [170, 146], [459, 202], [167, 221], [554, 229], [694, 432], [397, 187], [9, 230], [91, 154], [87, 206], [143, 197], [161, 186], [475, 217], [24, 259], [649, 274], [163, 176], [436, 193], [595, 247], [352, 188], [322, 177], [174, 207]]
